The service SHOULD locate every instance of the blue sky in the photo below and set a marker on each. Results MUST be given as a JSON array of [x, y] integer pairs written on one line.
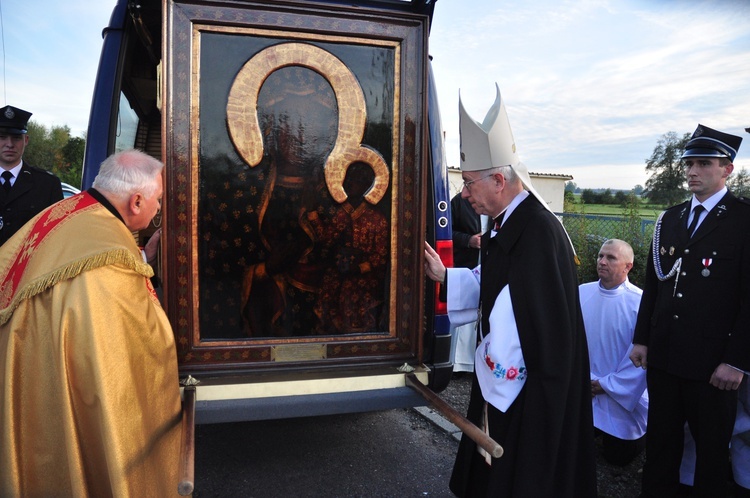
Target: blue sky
[[51, 52], [589, 85]]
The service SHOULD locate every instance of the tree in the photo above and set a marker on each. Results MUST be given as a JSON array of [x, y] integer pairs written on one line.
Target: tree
[[637, 190], [570, 186], [72, 161], [569, 202], [40, 151], [588, 196], [56, 151], [666, 186], [739, 183]]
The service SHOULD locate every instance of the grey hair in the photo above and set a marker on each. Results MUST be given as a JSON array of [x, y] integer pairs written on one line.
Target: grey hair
[[508, 173], [128, 172], [625, 248]]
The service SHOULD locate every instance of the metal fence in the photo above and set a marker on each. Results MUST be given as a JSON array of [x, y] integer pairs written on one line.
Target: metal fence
[[588, 232]]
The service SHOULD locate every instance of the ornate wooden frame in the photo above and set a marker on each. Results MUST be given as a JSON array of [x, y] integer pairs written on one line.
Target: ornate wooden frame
[[294, 36]]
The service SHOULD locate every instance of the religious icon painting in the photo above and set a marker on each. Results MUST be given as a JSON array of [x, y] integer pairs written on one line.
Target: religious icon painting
[[304, 155]]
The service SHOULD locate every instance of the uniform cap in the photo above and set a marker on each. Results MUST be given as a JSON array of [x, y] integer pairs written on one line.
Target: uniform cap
[[14, 120], [707, 142]]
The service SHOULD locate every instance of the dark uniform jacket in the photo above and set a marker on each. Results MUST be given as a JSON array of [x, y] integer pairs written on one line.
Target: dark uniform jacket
[[465, 223], [34, 190], [693, 324]]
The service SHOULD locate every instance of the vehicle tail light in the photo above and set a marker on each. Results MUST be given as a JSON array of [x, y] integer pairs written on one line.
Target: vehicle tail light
[[444, 248]]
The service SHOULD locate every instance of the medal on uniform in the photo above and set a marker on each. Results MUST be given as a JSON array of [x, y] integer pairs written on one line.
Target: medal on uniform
[[706, 263], [671, 251], [662, 251]]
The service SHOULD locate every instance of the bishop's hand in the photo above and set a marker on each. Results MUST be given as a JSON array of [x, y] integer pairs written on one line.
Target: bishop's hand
[[433, 266]]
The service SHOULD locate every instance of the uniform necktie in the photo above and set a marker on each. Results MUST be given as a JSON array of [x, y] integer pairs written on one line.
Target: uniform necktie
[[7, 177], [697, 210]]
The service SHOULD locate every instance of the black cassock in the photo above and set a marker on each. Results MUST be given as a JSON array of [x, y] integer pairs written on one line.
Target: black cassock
[[547, 433]]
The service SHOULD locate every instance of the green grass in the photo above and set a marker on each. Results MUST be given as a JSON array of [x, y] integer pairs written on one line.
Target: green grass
[[646, 211]]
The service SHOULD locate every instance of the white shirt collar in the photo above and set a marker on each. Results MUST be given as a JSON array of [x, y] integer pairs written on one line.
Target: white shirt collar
[[709, 203], [518, 199], [614, 290], [16, 170]]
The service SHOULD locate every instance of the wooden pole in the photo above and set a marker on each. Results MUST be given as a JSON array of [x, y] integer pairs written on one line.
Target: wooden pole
[[472, 431], [187, 449]]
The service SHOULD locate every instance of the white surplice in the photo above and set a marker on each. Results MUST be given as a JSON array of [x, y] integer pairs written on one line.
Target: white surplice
[[609, 317]]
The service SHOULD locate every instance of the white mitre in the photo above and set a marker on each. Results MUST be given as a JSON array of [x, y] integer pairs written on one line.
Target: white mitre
[[491, 144]]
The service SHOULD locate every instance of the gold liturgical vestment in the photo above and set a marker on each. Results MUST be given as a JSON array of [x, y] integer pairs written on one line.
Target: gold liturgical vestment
[[89, 394]]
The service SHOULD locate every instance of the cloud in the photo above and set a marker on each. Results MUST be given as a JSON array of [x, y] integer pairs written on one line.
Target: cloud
[[590, 86], [594, 83], [51, 52]]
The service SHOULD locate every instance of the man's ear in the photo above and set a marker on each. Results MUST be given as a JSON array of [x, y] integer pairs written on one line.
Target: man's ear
[[499, 180], [728, 170], [135, 203]]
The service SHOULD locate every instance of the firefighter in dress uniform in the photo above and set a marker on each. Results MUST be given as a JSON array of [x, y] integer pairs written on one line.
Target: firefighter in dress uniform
[[25, 190], [693, 326]]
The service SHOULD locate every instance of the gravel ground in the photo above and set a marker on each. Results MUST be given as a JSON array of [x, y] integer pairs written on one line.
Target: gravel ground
[[613, 481]]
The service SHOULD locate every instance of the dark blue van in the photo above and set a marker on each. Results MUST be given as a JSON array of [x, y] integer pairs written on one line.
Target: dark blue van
[[304, 170]]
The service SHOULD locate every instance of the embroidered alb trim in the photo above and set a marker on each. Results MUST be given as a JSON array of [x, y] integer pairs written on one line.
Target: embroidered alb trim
[[500, 372]]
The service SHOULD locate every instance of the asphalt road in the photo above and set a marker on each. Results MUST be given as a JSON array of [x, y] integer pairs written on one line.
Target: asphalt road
[[395, 453]]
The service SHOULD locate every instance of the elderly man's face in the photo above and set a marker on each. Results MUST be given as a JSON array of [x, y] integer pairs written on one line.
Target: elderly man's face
[[480, 190], [612, 266]]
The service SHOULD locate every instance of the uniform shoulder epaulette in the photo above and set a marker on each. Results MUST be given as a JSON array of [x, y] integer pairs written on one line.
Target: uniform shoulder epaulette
[[38, 170], [744, 200]]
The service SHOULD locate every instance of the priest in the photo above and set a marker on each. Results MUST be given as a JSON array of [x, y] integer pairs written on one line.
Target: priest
[[89, 394]]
